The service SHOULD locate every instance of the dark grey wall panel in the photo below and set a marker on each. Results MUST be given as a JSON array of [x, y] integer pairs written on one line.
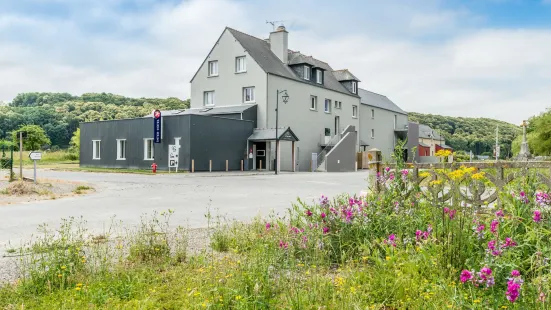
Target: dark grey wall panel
[[134, 131], [342, 158], [250, 115], [219, 139], [413, 141]]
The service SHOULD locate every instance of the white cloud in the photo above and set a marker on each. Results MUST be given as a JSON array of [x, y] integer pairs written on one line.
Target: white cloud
[[425, 58]]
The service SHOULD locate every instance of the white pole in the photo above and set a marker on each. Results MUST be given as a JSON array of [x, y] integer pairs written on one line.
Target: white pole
[[34, 161], [497, 142]]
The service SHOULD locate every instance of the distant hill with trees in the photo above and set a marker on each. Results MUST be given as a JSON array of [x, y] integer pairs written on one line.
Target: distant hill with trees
[[59, 114], [471, 134]]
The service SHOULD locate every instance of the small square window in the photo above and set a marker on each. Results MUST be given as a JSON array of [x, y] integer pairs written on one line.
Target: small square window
[[121, 149], [307, 72], [327, 107], [248, 94], [240, 64], [313, 103], [213, 68], [96, 149], [354, 111], [208, 98]]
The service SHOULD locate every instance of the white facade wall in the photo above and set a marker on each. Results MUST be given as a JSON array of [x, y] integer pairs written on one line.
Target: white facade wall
[[383, 125], [308, 125], [228, 85]]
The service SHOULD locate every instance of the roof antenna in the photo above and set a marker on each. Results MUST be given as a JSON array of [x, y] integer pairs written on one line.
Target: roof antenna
[[274, 22]]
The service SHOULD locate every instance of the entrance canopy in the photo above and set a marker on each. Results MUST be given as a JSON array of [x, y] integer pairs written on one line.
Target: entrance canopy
[[269, 134]]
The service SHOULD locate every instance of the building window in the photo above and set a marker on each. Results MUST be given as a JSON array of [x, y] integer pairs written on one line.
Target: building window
[[240, 64], [354, 87], [372, 113], [338, 104], [313, 103], [213, 68], [248, 94], [372, 133], [307, 73], [208, 98], [260, 153], [354, 111], [148, 150], [319, 76], [327, 107], [96, 149], [121, 149]]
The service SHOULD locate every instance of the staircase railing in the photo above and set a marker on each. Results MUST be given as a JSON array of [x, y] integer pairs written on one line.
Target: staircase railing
[[321, 156]]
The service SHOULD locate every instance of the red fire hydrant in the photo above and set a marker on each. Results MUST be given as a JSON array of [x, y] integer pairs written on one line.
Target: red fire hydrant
[[154, 167]]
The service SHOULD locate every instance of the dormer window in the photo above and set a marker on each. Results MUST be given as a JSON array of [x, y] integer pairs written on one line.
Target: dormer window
[[307, 73], [319, 76], [354, 87]]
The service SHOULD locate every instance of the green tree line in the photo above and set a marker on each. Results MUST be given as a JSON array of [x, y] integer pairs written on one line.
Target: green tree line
[[471, 134], [59, 114]]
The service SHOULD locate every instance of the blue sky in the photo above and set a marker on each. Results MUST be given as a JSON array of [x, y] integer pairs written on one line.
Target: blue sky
[[476, 58]]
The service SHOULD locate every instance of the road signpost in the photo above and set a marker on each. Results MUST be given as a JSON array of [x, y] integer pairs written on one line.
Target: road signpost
[[173, 151], [34, 156]]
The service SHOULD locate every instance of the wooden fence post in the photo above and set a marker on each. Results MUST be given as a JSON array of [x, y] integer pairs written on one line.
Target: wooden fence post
[[192, 165], [210, 165], [242, 165], [226, 165], [260, 165]]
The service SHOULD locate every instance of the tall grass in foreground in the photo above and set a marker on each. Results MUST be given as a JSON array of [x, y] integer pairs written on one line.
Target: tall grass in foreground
[[400, 249]]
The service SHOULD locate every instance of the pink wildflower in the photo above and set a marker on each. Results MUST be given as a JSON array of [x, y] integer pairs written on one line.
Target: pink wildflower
[[513, 290], [446, 210], [466, 275], [405, 172], [325, 230], [268, 226], [418, 234], [493, 226], [509, 243], [283, 245], [537, 216], [387, 169], [515, 273], [308, 213], [322, 215], [500, 213], [492, 245], [452, 214], [480, 228], [485, 276]]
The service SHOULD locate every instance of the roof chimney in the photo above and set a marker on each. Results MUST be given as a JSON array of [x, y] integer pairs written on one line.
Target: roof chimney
[[279, 43]]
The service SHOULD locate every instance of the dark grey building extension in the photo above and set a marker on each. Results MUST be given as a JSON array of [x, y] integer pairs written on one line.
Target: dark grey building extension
[[202, 136]]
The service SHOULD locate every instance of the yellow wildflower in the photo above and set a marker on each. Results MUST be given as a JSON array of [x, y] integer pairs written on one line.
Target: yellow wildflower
[[443, 153], [435, 182], [339, 281], [63, 267], [77, 288], [59, 275], [478, 176], [79, 284], [476, 301], [238, 297], [424, 174]]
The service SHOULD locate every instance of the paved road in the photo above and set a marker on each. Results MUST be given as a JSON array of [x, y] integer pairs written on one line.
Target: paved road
[[128, 196]]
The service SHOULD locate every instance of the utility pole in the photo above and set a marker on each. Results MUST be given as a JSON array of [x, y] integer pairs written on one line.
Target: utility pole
[[497, 143], [21, 155]]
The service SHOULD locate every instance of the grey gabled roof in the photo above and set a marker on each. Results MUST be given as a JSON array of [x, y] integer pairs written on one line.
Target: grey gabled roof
[[423, 144], [269, 134], [345, 75], [379, 101], [260, 51], [427, 133]]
